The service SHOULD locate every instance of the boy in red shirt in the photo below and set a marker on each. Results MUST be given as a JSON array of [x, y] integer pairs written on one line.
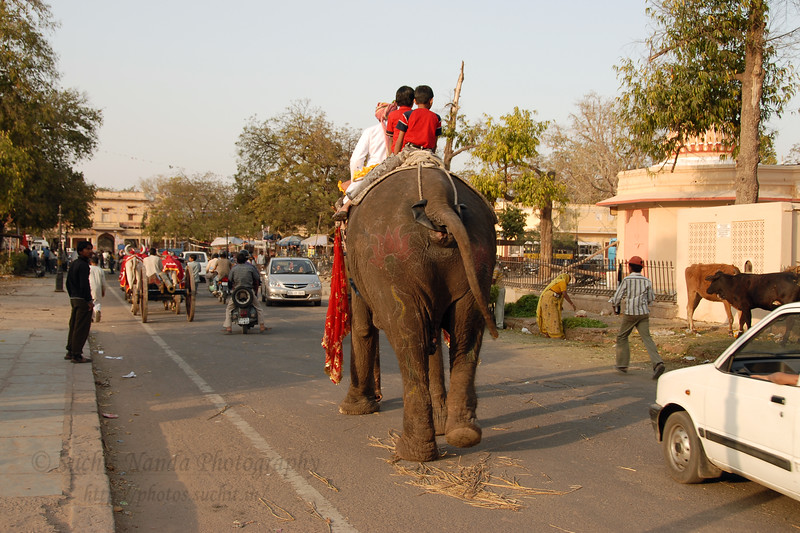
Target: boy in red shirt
[[404, 98], [419, 127]]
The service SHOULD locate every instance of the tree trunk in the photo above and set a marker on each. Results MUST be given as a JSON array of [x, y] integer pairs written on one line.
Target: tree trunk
[[452, 120], [546, 236], [752, 89]]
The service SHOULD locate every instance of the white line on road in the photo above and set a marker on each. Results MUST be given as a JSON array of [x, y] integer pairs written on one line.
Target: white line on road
[[276, 462]]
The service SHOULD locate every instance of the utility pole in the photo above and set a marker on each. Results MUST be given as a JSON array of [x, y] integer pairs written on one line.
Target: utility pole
[[59, 270]]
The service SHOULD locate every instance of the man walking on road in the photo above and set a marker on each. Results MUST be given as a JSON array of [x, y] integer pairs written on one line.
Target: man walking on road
[[638, 293], [80, 298]]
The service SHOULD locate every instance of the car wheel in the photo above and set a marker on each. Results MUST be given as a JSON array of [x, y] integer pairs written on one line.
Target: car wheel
[[683, 450], [268, 302], [318, 303]]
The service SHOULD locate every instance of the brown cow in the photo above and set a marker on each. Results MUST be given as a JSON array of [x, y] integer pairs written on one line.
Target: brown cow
[[755, 291], [697, 289]]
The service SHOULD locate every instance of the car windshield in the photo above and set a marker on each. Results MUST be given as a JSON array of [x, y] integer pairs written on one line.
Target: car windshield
[[292, 267], [775, 347]]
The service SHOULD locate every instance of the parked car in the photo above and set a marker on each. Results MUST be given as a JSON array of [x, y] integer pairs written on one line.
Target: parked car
[[291, 279], [202, 258], [724, 416]]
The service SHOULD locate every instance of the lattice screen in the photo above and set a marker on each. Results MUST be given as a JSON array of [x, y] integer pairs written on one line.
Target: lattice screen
[[748, 243], [702, 242]]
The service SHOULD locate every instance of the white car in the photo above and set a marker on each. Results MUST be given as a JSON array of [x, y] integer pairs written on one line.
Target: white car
[[202, 258], [291, 279], [722, 416]]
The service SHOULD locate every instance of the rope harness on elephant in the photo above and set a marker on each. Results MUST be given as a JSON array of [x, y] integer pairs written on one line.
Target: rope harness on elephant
[[424, 159]]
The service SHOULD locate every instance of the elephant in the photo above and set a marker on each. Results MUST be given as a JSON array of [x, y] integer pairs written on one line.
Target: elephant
[[421, 250]]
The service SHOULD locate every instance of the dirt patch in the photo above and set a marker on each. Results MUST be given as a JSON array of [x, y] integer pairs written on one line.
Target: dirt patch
[[675, 342]]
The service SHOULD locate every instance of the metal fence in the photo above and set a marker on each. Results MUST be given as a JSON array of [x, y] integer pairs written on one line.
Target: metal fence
[[598, 277]]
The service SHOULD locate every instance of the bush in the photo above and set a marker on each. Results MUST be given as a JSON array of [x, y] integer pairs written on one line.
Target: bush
[[493, 292], [524, 307], [15, 264], [580, 322]]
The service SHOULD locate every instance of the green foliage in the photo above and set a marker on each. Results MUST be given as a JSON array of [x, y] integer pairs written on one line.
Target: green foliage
[[691, 82], [494, 290], [190, 207], [507, 148], [13, 264], [44, 129], [512, 220], [581, 322], [289, 167], [524, 307]]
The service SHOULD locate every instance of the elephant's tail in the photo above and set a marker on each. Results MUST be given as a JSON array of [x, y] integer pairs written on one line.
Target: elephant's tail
[[455, 226]]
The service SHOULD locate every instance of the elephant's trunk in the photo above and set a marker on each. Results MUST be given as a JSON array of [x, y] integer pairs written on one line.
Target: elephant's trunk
[[455, 226]]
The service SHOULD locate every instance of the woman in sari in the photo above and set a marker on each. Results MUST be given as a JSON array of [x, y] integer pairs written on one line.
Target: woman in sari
[[551, 302]]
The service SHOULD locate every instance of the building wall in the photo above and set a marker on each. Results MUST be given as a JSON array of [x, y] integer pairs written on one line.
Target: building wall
[[117, 219], [764, 234]]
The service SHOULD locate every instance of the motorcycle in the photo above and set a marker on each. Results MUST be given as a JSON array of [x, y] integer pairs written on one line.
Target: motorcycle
[[223, 290], [244, 310]]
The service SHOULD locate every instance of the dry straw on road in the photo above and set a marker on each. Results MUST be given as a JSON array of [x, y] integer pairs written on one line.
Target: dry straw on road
[[475, 484]]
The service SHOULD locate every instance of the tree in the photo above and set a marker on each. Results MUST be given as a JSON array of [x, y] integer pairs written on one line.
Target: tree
[[460, 135], [712, 65], [44, 130], [512, 220], [289, 167], [189, 207], [793, 158], [509, 153], [592, 150]]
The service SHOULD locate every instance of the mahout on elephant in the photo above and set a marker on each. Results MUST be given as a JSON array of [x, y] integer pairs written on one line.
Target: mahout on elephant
[[420, 255]]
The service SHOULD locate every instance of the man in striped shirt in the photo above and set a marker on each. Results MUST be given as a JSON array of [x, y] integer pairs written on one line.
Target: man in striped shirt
[[638, 293]]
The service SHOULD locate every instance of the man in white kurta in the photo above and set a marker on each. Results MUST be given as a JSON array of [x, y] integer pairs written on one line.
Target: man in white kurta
[[97, 282]]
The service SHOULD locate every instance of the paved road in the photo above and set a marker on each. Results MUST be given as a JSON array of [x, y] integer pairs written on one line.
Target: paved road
[[219, 430]]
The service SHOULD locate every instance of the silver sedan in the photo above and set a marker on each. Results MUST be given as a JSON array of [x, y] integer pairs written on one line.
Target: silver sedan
[[291, 279]]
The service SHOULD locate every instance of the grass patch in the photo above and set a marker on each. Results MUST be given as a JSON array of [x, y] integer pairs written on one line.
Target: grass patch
[[581, 322], [523, 308]]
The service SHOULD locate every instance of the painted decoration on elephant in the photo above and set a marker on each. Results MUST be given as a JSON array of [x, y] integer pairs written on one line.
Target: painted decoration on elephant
[[390, 249]]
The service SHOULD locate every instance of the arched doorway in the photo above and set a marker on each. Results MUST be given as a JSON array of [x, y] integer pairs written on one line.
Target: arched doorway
[[105, 242]]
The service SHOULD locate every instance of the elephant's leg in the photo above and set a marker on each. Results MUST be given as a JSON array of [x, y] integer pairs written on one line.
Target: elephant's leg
[[362, 396], [465, 343], [418, 441], [437, 388]]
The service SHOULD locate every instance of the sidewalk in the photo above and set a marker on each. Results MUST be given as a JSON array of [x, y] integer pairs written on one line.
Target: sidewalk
[[52, 471]]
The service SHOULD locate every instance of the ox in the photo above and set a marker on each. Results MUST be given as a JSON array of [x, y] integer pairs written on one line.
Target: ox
[[697, 289], [755, 291]]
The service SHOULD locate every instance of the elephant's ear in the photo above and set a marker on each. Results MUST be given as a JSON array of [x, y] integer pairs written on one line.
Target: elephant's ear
[[418, 209]]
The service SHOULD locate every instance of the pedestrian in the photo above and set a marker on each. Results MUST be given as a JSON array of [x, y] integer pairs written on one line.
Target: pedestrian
[[550, 306], [193, 269], [97, 282], [80, 299], [638, 293]]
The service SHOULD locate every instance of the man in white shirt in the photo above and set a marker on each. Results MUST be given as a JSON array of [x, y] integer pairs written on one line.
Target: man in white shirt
[[153, 267], [371, 149]]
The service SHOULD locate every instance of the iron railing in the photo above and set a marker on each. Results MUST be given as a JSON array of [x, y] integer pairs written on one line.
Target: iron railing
[[599, 278]]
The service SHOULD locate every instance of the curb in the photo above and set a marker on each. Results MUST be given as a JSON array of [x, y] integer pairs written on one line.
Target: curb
[[89, 486]]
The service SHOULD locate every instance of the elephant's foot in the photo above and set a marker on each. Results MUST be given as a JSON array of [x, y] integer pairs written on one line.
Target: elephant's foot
[[464, 436], [358, 405], [420, 451]]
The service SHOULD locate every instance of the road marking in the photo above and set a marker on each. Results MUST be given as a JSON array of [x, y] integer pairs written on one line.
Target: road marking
[[276, 462]]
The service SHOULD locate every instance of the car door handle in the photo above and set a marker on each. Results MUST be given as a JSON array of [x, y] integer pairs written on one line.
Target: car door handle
[[779, 399]]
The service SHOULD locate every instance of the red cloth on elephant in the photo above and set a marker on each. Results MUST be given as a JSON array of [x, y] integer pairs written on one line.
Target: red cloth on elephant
[[337, 321]]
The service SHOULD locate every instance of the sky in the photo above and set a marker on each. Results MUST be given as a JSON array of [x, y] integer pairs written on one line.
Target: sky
[[177, 80]]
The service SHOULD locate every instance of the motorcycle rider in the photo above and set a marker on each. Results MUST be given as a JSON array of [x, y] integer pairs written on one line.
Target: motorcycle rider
[[243, 275]]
